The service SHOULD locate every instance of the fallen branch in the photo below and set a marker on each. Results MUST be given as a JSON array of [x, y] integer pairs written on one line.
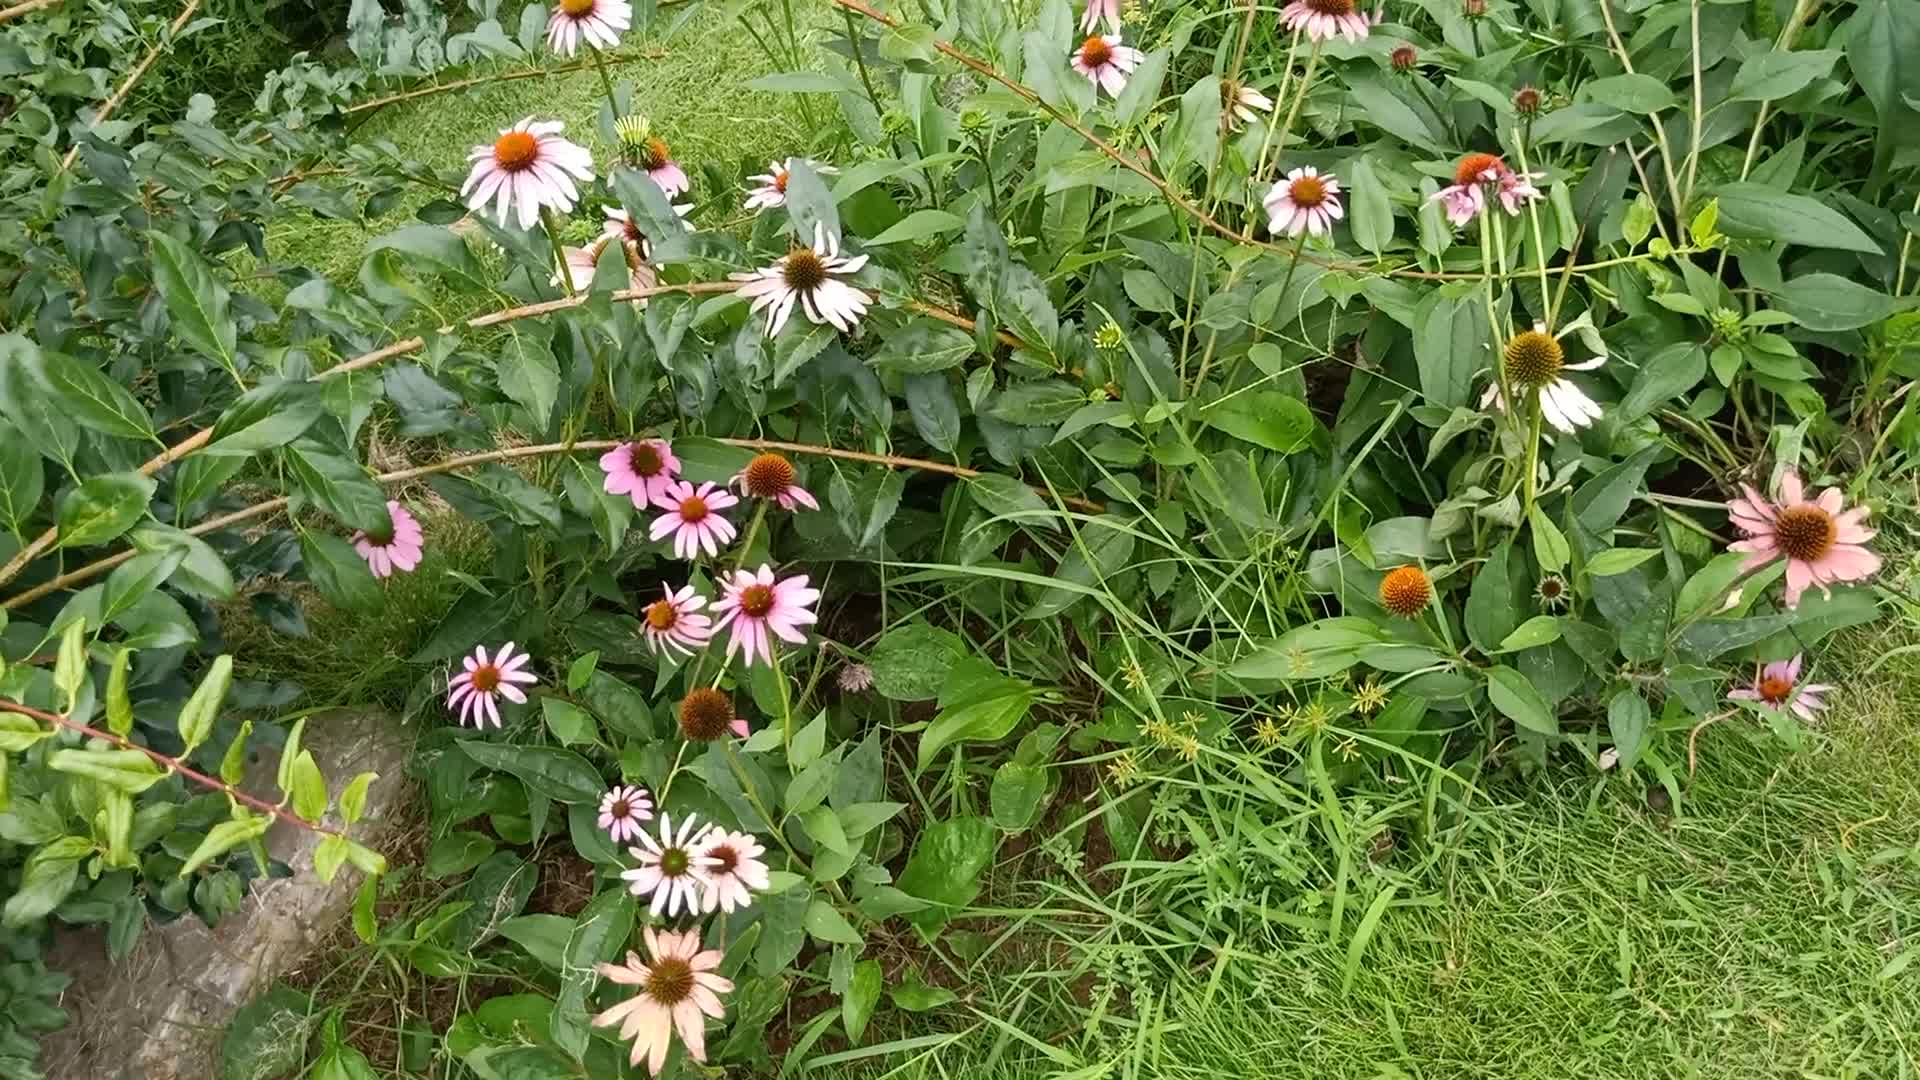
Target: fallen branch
[[126, 85], [28, 7], [614, 60]]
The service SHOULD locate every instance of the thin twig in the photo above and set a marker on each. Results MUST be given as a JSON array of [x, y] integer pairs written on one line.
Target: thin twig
[[172, 765], [27, 7], [1693, 759], [481, 80], [126, 85]]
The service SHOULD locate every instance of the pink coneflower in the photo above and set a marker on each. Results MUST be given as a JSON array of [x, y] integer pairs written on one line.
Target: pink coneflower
[[674, 622], [671, 869], [622, 812], [1821, 541], [809, 276], [396, 548], [707, 715], [642, 470], [648, 151], [678, 990], [638, 245], [1305, 201], [771, 476], [737, 871], [1466, 196], [1106, 62], [1516, 190], [760, 609], [1098, 10], [583, 263], [1322, 19], [600, 22], [1242, 104], [472, 692], [693, 518], [1774, 687], [529, 166], [772, 189]]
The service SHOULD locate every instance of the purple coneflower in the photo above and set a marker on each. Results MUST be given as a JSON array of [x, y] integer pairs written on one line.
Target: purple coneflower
[[1821, 540], [622, 812], [397, 547], [760, 608], [600, 22], [1106, 62], [809, 277], [678, 989], [674, 622], [771, 476], [1305, 201], [528, 167], [693, 518], [1322, 19], [1776, 686], [472, 692], [642, 470]]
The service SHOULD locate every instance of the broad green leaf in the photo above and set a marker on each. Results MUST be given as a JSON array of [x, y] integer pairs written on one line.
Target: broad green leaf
[[1754, 211], [1266, 418], [945, 866], [1515, 697], [196, 300], [329, 857], [569, 723], [70, 664], [857, 1004], [338, 571], [921, 347], [529, 374], [935, 410], [457, 852], [119, 704], [1619, 560], [47, 879], [353, 801], [198, 715], [596, 937], [1003, 496], [560, 775], [1633, 92], [825, 923], [132, 580], [90, 398], [224, 837], [987, 712], [22, 479], [1539, 630], [1017, 795], [130, 771], [1450, 344], [1138, 97], [1313, 651], [1666, 375], [103, 507], [233, 764], [309, 788], [19, 731], [268, 416], [919, 226], [1494, 601], [1830, 302], [1627, 719], [1372, 216], [1776, 74]]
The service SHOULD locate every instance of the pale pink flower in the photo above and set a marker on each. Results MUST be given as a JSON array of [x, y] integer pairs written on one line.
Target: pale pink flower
[[396, 548], [1776, 687], [472, 692], [1242, 103], [1106, 62], [600, 22], [1467, 195], [1306, 201], [1516, 190], [674, 621], [639, 247], [671, 869], [678, 989], [623, 810], [738, 870], [771, 476], [1098, 10], [528, 167], [1322, 19], [809, 276], [693, 518], [583, 263], [1820, 540], [642, 470], [772, 187], [759, 609]]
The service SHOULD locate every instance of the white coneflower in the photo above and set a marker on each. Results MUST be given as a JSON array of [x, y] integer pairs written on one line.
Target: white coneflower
[[1534, 363], [772, 188], [811, 278], [528, 167], [600, 22], [672, 871], [1242, 104]]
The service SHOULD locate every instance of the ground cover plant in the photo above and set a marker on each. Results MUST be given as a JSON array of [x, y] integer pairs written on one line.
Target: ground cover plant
[[1200, 453]]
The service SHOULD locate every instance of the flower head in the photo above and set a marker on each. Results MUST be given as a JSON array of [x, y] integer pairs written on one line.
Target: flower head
[[623, 810], [671, 869], [646, 150], [472, 692], [772, 187], [1533, 363], [693, 518], [674, 621], [1472, 175], [706, 715], [1777, 687], [598, 21], [854, 678], [771, 476], [1820, 539], [1403, 58], [737, 872], [1406, 591], [1551, 592], [760, 608], [528, 167], [811, 277], [1106, 62], [678, 989], [1527, 100], [642, 470], [620, 228], [1098, 10], [397, 547], [1241, 104], [1322, 19], [1306, 201]]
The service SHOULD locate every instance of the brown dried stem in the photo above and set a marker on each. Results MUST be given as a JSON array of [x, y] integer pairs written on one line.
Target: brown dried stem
[[27, 7], [139, 71]]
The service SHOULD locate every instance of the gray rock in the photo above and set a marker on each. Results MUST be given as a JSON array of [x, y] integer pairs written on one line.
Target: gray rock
[[161, 1013]]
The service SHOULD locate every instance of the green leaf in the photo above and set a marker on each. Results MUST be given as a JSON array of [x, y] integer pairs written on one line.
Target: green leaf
[[919, 225], [1137, 98], [560, 775], [1003, 496], [233, 763], [1754, 211], [529, 375], [119, 704], [1040, 402], [196, 301], [809, 203], [1017, 796], [1266, 418], [338, 571], [19, 731], [309, 788], [130, 771], [1666, 375], [1600, 502], [1539, 630], [268, 416], [569, 723], [857, 1004], [88, 397], [911, 661], [597, 936], [224, 837], [825, 923], [1709, 638], [353, 801], [544, 937], [134, 579], [1450, 343], [986, 710], [1372, 218], [1550, 548], [1627, 719], [103, 507], [329, 857], [1619, 560], [921, 347], [70, 665], [935, 410], [1515, 697], [1314, 651], [457, 852], [48, 878], [1830, 302], [22, 479], [1633, 92], [1770, 75], [944, 868], [914, 995], [198, 715]]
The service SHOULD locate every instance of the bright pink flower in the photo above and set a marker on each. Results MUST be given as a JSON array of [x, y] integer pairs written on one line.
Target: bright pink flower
[[529, 166], [1322, 19], [1775, 688], [1098, 10], [771, 476], [1467, 195], [397, 548], [678, 989], [623, 810], [472, 692], [1106, 62], [1821, 541], [1306, 201], [641, 470], [1516, 190], [693, 518], [760, 608], [674, 621]]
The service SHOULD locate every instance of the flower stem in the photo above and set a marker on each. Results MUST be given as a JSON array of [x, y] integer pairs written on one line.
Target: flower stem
[[1293, 110], [559, 255], [1537, 409], [606, 81]]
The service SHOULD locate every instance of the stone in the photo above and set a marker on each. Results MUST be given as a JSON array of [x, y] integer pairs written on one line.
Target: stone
[[161, 1013]]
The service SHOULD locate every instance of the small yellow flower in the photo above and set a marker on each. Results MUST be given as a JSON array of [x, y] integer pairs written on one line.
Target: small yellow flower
[[1123, 769], [1189, 749], [1314, 717], [1192, 719], [1267, 733], [1370, 698], [1134, 676]]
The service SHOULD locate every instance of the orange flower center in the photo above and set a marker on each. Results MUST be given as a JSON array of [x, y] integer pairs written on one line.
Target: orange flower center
[[661, 616], [756, 600], [1806, 532], [1405, 591], [769, 476], [1330, 7], [669, 980], [727, 858], [780, 181], [645, 459], [693, 508], [516, 150], [486, 678], [579, 9], [1775, 689], [1473, 165], [653, 153], [1095, 51], [805, 270], [705, 714], [1307, 192]]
